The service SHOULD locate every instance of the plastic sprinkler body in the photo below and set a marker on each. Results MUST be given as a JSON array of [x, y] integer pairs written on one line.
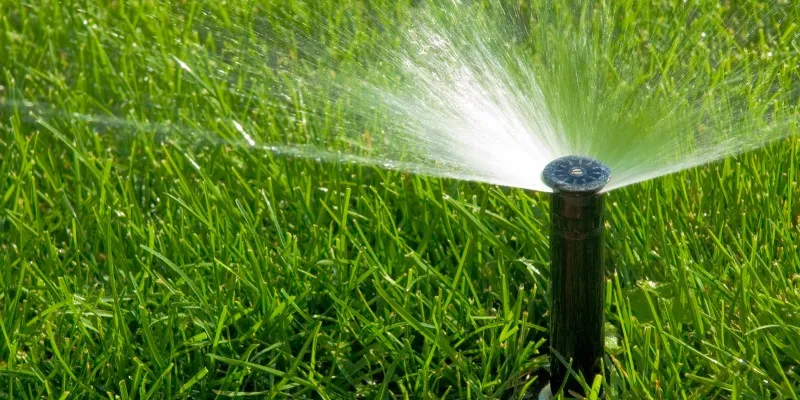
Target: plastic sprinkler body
[[577, 272]]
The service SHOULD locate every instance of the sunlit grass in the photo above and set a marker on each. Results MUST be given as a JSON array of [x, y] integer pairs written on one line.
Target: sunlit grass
[[145, 254]]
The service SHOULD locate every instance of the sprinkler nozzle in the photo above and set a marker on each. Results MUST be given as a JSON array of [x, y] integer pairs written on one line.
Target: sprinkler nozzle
[[573, 174]]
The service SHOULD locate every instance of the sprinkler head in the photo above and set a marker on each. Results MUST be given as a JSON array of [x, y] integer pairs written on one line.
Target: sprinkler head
[[577, 272], [574, 174]]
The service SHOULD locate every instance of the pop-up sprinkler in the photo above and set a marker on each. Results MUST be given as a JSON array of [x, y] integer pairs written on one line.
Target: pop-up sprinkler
[[577, 273]]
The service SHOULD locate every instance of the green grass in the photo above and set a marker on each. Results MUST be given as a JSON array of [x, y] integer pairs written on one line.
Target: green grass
[[135, 265]]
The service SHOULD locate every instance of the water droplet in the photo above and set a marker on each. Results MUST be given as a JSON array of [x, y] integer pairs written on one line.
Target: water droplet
[[246, 136]]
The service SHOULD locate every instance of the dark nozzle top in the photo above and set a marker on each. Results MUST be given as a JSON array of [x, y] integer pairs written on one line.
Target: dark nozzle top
[[573, 174]]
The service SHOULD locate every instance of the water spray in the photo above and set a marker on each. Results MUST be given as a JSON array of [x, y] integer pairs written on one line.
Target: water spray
[[577, 273]]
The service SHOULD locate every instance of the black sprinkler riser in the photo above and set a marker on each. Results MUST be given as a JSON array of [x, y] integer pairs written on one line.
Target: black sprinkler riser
[[577, 279], [577, 272]]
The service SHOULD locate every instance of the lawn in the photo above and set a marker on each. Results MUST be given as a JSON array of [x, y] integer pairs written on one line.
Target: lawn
[[146, 253]]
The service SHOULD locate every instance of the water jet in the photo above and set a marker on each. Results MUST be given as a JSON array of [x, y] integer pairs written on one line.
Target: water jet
[[576, 269]]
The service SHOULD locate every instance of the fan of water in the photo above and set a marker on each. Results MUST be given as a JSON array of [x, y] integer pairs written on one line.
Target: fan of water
[[478, 90]]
